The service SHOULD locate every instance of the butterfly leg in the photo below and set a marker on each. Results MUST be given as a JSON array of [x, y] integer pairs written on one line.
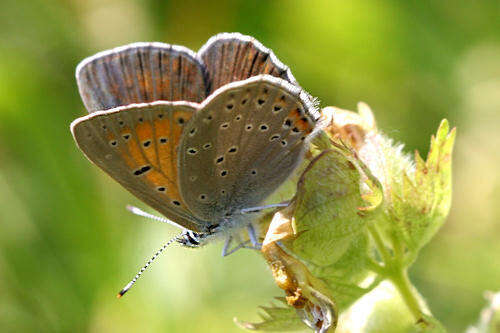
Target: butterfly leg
[[261, 208], [252, 244], [253, 238], [225, 249], [226, 246]]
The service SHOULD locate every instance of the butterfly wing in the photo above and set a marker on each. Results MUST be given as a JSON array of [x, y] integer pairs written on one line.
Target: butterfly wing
[[231, 57], [139, 73], [137, 146], [245, 141]]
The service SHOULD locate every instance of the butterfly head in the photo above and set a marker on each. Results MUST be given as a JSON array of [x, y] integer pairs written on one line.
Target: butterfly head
[[189, 238]]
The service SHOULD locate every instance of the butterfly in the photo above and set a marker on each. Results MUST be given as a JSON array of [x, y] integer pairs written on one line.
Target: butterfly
[[203, 138]]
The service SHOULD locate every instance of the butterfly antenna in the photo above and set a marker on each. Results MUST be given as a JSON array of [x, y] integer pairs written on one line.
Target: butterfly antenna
[[137, 211], [138, 275]]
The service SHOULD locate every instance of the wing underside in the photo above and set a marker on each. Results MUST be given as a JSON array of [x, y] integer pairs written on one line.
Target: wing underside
[[243, 143], [137, 146]]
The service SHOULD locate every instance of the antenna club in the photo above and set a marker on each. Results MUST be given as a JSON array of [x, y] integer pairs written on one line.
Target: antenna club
[[123, 291]]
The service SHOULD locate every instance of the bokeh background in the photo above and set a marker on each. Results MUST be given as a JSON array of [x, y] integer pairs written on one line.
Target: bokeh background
[[66, 242]]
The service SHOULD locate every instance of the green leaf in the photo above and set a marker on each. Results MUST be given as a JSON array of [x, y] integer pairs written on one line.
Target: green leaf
[[276, 318]]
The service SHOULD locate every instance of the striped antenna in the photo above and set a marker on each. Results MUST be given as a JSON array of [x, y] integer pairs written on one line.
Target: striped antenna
[[138, 275]]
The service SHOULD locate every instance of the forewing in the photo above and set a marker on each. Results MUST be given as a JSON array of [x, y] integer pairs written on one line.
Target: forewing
[[231, 57], [139, 73], [137, 146], [244, 142]]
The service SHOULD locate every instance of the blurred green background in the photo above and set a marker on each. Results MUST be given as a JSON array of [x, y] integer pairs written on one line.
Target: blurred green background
[[67, 244]]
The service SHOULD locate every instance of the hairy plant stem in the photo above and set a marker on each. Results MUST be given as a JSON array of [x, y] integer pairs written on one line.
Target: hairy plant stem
[[399, 278], [394, 269], [379, 243]]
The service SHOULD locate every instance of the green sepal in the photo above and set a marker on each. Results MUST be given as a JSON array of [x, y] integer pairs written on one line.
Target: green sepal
[[336, 199], [420, 197]]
